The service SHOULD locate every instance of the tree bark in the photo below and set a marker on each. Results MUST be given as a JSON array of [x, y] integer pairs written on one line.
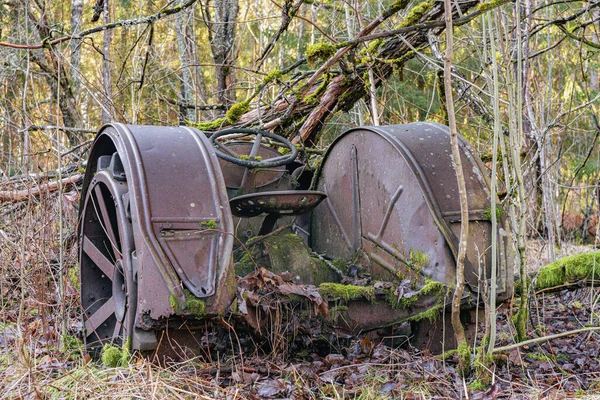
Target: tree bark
[[347, 87], [459, 331], [108, 111], [75, 70], [192, 90], [222, 45]]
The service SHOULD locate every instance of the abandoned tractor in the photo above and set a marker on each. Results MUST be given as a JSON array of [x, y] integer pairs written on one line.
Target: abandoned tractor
[[169, 217]]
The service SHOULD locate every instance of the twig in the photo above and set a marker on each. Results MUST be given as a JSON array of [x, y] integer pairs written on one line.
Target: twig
[[544, 339]]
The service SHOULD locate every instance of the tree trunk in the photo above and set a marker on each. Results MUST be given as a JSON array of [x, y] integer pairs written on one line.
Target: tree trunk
[[192, 80], [108, 110], [75, 71], [222, 46], [459, 331]]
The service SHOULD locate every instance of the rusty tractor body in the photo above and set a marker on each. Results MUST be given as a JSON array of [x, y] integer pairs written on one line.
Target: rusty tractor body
[[164, 208]]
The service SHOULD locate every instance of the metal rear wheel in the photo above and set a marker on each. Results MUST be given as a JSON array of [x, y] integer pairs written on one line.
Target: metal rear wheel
[[108, 289]]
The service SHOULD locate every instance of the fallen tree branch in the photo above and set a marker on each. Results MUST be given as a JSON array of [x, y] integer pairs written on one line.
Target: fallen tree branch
[[20, 195], [543, 339]]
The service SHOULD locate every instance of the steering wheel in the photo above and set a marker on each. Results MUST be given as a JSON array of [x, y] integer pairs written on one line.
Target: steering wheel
[[249, 161]]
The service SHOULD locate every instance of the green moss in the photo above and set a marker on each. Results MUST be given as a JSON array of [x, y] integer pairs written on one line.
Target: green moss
[[126, 353], [569, 270], [430, 288], [429, 315], [245, 265], [320, 51], [346, 292], [272, 76], [209, 125], [488, 5], [192, 305], [195, 306], [487, 213], [111, 356], [374, 46], [418, 259], [314, 96], [71, 343], [236, 111], [174, 303], [464, 358], [210, 224], [114, 357], [478, 385], [415, 14], [73, 274]]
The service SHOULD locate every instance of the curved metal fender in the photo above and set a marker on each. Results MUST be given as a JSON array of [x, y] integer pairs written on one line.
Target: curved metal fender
[[180, 214]]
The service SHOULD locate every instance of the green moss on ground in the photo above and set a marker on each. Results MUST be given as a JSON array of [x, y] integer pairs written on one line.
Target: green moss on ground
[[346, 292], [113, 356], [569, 270]]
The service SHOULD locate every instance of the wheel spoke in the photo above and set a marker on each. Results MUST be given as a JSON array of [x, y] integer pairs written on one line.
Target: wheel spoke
[[106, 223], [105, 265], [117, 330], [227, 150], [102, 314]]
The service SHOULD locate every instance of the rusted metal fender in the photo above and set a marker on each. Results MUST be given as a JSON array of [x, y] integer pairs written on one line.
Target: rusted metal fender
[[179, 210], [392, 191]]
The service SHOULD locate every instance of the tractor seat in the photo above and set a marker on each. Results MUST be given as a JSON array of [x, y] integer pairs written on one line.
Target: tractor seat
[[285, 202]]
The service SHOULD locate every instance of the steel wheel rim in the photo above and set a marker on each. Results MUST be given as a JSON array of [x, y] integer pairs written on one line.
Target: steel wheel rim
[[108, 291]]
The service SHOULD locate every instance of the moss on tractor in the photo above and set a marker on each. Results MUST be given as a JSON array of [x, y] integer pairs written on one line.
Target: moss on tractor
[[415, 14], [210, 224], [430, 288], [569, 270], [346, 292], [191, 305], [418, 259], [288, 252], [430, 315], [195, 306]]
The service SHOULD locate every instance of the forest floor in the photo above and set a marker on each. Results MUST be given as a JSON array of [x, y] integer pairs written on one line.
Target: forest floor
[[33, 364]]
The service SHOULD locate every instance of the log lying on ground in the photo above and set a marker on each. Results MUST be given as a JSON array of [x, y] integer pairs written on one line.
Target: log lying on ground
[[569, 271], [20, 195]]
